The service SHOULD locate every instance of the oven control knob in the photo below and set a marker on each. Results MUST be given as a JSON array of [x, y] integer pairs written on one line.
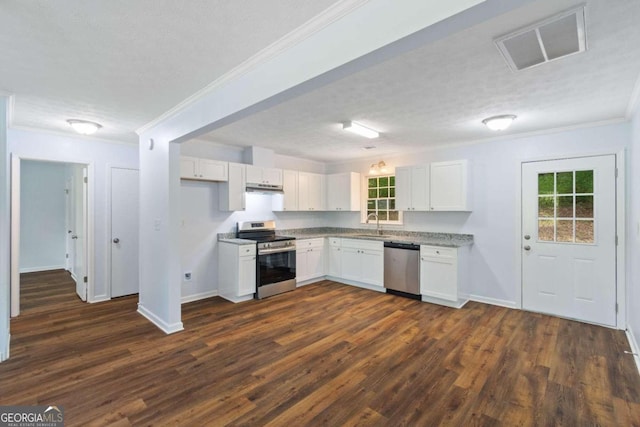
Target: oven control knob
[[268, 245]]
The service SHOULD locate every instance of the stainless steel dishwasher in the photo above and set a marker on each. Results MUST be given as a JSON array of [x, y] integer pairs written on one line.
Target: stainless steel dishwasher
[[402, 269]]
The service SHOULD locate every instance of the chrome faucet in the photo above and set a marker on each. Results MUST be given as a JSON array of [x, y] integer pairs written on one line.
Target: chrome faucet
[[375, 215]]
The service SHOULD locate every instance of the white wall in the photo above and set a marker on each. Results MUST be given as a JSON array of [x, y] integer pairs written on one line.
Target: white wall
[[633, 242], [102, 156], [5, 231], [495, 172], [42, 216]]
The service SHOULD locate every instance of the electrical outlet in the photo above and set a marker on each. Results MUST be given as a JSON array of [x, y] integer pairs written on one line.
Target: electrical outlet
[[187, 276]]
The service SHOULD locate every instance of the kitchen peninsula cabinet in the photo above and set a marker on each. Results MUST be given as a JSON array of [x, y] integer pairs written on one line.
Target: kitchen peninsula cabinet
[[237, 271]]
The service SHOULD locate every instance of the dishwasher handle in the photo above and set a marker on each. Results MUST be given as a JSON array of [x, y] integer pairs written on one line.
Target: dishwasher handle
[[397, 245]]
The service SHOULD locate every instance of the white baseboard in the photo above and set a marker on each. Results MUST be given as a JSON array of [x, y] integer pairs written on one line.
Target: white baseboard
[[197, 297], [163, 326], [634, 346], [99, 298], [4, 354], [39, 269], [494, 301], [236, 300], [310, 281], [452, 304]]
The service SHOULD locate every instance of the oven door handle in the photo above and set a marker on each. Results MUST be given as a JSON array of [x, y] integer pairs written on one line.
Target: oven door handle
[[275, 251]]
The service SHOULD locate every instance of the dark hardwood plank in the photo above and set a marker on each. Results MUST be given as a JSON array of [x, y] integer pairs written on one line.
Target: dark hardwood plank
[[325, 354]]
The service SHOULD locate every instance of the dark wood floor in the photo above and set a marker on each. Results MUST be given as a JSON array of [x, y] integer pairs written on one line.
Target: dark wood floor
[[325, 354]]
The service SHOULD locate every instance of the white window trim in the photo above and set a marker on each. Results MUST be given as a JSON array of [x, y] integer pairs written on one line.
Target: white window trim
[[363, 202]]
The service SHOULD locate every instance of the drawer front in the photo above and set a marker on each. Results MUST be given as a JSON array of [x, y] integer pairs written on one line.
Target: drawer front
[[335, 241], [246, 250], [373, 245], [309, 243], [438, 252]]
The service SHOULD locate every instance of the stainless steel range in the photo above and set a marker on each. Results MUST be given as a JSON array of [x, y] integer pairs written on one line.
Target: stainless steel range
[[276, 260]]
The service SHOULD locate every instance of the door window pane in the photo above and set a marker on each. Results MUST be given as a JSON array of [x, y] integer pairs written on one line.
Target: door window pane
[[564, 183], [546, 183], [566, 207], [546, 207], [584, 206], [546, 232], [584, 182], [584, 231], [564, 231], [373, 182]]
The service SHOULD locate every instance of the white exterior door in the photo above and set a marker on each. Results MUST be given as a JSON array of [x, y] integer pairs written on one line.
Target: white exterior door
[[124, 232], [569, 238]]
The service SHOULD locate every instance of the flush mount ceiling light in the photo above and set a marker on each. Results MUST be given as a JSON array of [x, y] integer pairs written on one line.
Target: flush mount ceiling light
[[499, 122], [359, 129], [376, 168], [84, 127]]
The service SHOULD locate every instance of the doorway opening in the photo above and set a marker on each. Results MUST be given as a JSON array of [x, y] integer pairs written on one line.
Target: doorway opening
[[50, 231]]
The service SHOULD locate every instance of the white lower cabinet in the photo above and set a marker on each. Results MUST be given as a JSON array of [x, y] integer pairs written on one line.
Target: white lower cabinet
[[236, 271], [309, 259], [362, 262], [444, 275], [334, 267]]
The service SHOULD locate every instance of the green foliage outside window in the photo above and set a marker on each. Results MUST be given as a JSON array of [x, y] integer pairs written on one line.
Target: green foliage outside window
[[381, 197]]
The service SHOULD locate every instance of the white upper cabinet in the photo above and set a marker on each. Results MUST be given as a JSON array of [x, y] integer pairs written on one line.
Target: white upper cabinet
[[232, 192], [412, 188], [203, 169], [450, 186], [268, 176], [343, 192], [311, 191], [288, 201]]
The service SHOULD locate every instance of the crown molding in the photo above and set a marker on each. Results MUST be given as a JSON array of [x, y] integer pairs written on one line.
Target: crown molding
[[315, 24], [71, 135], [634, 100]]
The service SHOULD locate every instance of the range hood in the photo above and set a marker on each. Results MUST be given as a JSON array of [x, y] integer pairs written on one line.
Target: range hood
[[253, 187]]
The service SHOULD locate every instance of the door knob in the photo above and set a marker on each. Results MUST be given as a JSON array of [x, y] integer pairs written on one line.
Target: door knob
[[116, 240], [527, 247], [527, 237], [74, 237]]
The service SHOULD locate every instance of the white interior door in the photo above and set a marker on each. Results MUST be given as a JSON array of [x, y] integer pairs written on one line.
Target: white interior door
[[124, 232], [69, 220], [569, 238], [79, 234]]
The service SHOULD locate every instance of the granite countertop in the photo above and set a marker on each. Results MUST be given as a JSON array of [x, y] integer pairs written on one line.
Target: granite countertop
[[416, 237], [236, 241]]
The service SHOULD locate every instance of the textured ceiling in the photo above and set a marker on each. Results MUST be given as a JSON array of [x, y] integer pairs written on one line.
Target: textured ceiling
[[123, 63], [439, 93]]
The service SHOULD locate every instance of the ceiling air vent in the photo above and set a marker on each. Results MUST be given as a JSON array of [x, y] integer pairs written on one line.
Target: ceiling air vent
[[556, 37]]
